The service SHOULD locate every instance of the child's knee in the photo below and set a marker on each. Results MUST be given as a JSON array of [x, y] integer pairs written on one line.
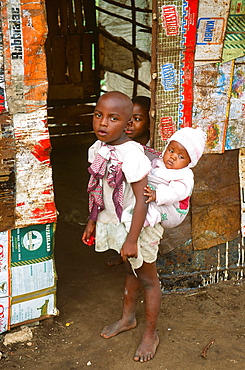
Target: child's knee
[[148, 282]]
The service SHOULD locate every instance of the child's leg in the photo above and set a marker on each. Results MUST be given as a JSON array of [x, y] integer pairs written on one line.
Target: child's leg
[[131, 292], [114, 261], [148, 277]]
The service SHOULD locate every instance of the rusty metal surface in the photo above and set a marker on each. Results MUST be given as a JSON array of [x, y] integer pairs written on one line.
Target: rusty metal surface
[[184, 269], [242, 187], [216, 211]]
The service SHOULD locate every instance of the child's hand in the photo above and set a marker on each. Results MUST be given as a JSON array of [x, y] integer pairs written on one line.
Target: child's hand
[[88, 234], [129, 249], [150, 193]]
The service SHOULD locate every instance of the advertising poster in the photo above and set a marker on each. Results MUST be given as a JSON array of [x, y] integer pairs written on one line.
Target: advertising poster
[[177, 28], [210, 32], [24, 34]]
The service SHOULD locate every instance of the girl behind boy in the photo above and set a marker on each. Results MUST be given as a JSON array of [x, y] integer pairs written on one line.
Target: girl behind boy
[[138, 128], [117, 213]]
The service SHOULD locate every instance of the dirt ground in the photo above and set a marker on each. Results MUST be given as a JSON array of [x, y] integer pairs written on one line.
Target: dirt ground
[[89, 295]]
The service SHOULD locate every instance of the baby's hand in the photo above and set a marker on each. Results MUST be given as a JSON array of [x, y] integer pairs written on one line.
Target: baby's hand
[[150, 193]]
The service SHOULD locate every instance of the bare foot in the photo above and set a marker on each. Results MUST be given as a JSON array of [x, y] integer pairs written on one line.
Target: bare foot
[[114, 261], [117, 327], [147, 348]]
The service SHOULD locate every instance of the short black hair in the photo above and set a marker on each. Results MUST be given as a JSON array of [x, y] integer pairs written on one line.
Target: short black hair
[[143, 101]]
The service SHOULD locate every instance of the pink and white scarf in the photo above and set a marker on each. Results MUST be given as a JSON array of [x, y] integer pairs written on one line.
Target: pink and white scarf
[[115, 178]]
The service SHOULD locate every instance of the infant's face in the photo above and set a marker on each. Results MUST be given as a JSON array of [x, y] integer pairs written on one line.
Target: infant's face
[[175, 156]]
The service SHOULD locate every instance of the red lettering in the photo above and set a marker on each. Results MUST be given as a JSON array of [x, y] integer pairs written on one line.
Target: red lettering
[[1, 311]]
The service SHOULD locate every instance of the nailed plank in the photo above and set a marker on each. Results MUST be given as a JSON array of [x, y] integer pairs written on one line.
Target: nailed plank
[[79, 15], [63, 17], [58, 61], [52, 17], [66, 91], [70, 18], [70, 110], [88, 40], [73, 56]]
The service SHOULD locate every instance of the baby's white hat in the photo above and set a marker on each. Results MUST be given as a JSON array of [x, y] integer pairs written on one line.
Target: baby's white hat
[[193, 140]]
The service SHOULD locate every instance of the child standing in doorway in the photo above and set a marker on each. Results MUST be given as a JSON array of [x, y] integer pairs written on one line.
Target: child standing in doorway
[[118, 209], [138, 129]]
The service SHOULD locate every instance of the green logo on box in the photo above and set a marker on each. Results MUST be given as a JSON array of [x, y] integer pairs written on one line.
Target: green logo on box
[[32, 244]]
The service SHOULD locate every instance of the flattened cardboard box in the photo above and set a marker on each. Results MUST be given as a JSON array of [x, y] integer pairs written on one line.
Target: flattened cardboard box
[[27, 275]]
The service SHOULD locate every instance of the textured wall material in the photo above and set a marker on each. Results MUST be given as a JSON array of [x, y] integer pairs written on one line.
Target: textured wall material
[[216, 200]]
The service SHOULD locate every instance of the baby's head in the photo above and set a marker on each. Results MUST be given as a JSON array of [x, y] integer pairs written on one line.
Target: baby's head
[[138, 128], [185, 148], [111, 115]]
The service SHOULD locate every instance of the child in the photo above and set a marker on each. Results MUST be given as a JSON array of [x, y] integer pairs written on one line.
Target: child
[[117, 213], [138, 128], [171, 179]]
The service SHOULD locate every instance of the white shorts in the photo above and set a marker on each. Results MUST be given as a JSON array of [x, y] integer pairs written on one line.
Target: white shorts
[[148, 243], [112, 236]]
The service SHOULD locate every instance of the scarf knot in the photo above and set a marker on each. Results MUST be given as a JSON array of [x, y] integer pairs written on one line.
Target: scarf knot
[[114, 177]]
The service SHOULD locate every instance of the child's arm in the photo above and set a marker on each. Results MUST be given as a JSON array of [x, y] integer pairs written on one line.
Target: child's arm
[[150, 193], [89, 232], [129, 248]]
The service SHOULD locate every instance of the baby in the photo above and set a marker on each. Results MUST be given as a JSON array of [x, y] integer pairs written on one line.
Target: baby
[[171, 180]]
